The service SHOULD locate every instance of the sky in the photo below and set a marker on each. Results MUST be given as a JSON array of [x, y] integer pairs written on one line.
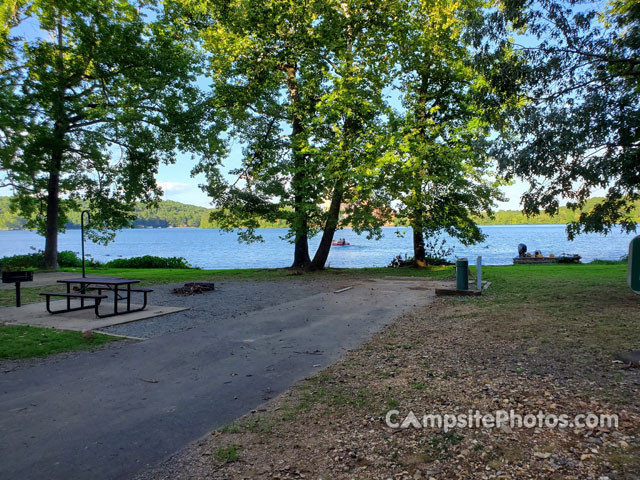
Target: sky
[[179, 186]]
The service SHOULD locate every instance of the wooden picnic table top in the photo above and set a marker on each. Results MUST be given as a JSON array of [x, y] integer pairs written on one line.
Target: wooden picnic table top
[[100, 280]]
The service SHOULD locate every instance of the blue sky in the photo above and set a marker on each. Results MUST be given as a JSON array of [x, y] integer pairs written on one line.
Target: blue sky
[[178, 185]]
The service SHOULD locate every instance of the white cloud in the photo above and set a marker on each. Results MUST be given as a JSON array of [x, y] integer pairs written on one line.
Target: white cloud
[[175, 187]]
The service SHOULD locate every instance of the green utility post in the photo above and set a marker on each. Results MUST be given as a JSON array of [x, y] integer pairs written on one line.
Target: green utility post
[[462, 274], [634, 265]]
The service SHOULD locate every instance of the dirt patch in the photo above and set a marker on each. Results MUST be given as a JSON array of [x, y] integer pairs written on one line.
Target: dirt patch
[[451, 357]]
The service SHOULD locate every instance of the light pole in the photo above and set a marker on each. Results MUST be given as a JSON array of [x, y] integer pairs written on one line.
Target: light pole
[[82, 229]]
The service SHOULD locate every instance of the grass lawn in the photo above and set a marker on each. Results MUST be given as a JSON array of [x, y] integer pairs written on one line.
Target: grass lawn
[[542, 338], [170, 275], [24, 342], [586, 309]]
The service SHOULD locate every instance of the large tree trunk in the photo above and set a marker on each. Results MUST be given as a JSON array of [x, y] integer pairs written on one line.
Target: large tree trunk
[[301, 257], [53, 186], [333, 217], [419, 254], [51, 229], [349, 129]]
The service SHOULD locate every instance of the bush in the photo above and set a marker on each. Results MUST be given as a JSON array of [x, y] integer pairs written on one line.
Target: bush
[[436, 254], [149, 261], [398, 261], [66, 258], [21, 262]]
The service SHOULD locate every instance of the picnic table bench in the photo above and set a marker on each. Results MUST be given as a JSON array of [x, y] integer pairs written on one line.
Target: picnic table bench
[[100, 284], [69, 296]]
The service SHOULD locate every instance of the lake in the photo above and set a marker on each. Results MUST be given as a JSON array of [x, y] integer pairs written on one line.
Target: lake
[[211, 248]]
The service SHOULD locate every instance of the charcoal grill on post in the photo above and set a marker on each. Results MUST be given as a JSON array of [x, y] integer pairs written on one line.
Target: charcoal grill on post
[[17, 278]]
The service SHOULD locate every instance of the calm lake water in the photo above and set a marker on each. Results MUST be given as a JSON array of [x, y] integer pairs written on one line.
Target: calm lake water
[[211, 248]]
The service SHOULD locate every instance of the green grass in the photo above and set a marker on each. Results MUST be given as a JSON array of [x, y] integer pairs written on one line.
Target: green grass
[[170, 275], [227, 454], [585, 311], [27, 295], [24, 342]]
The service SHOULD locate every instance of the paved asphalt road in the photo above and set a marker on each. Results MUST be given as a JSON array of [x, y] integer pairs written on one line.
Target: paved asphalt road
[[112, 413]]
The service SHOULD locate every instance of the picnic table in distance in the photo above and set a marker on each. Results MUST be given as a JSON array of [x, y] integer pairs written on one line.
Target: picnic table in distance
[[120, 287]]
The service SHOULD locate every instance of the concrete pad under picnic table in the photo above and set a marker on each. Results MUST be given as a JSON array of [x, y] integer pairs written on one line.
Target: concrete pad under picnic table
[[36, 315]]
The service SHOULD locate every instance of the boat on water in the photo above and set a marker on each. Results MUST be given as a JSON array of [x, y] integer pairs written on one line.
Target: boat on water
[[539, 260], [525, 258], [341, 242]]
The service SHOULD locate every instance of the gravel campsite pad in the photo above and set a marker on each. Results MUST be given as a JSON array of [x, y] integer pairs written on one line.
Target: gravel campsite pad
[[438, 359], [228, 299]]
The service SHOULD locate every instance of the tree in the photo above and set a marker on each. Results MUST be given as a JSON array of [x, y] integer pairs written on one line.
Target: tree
[[351, 128], [440, 175], [579, 130], [266, 75], [301, 84], [91, 107]]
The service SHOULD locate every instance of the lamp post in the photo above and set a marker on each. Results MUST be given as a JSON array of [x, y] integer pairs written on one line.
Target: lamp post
[[82, 230], [633, 277]]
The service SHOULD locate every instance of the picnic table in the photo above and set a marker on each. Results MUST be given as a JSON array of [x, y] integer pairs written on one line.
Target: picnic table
[[119, 287]]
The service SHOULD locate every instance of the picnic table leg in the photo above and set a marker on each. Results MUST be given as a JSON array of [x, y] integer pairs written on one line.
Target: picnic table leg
[[83, 289], [115, 299], [128, 297], [97, 304], [68, 298]]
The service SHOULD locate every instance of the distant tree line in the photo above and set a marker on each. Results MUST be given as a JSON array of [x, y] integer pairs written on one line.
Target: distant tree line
[[167, 214], [565, 215], [180, 215]]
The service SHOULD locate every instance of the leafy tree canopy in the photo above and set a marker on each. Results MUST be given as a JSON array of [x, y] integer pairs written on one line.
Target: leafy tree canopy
[[91, 105], [301, 83], [440, 173], [578, 69]]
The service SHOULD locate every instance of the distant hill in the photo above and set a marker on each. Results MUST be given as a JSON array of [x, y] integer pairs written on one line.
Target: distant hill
[[168, 214], [564, 216], [9, 221], [176, 215]]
